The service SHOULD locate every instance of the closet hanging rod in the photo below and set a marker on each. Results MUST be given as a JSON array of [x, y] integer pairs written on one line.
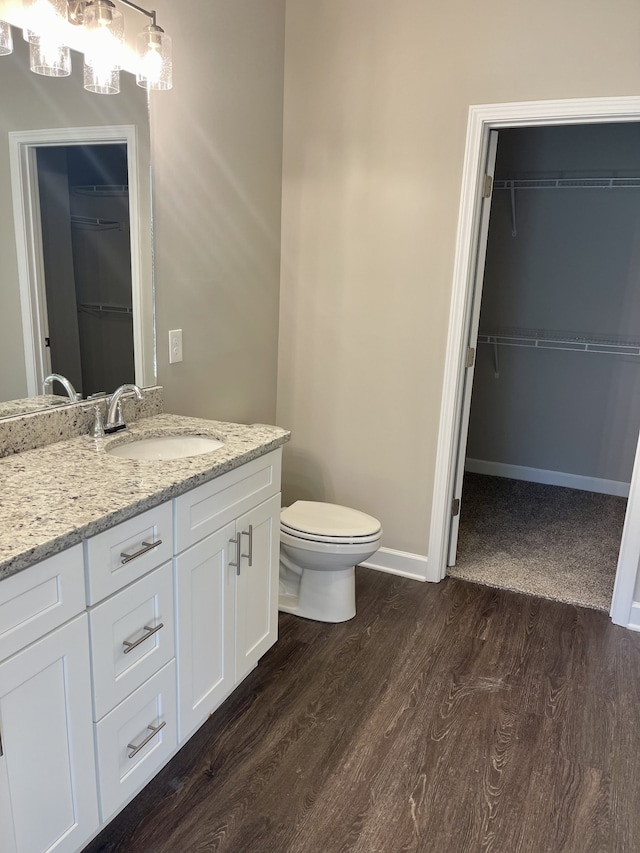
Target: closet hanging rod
[[568, 183]]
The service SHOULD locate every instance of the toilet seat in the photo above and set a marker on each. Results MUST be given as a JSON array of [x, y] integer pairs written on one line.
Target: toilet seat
[[314, 521], [330, 540]]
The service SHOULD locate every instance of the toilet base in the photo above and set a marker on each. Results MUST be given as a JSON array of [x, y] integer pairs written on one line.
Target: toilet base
[[325, 596]]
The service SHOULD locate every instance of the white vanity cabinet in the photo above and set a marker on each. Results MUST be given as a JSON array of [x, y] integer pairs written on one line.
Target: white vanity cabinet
[[48, 798], [226, 570], [115, 651]]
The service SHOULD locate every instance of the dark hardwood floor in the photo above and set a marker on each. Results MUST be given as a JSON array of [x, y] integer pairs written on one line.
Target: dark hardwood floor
[[449, 717]]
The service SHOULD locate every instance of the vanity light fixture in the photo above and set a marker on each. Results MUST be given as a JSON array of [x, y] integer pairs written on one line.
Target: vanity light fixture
[[46, 29], [104, 30], [6, 39]]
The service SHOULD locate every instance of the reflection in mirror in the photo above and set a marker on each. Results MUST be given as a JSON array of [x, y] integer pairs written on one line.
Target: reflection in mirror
[[56, 129], [84, 213]]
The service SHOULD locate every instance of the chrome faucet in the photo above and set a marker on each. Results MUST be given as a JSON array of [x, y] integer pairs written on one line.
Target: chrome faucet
[[115, 421], [47, 386]]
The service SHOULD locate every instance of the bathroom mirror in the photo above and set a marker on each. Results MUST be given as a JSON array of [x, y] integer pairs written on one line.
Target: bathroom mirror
[[39, 113]]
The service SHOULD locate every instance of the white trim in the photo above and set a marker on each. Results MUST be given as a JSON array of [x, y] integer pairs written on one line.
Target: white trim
[[29, 244], [629, 558], [483, 119], [402, 563], [634, 618], [549, 478]]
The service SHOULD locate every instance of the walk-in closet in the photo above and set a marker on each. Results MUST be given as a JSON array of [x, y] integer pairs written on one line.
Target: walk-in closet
[[555, 409], [84, 207]]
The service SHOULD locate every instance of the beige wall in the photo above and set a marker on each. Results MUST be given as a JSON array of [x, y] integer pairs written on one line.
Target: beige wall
[[376, 102], [217, 158]]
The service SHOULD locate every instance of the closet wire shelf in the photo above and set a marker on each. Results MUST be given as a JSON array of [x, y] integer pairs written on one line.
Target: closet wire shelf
[[101, 190], [562, 340], [561, 183], [568, 183], [91, 223], [104, 308], [554, 340]]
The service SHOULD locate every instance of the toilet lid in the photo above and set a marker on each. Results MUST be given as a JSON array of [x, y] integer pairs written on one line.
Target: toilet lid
[[328, 540], [328, 520]]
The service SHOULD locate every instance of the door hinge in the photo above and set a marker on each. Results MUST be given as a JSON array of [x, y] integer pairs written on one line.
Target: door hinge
[[487, 186], [470, 358], [1, 747], [455, 507], [47, 342]]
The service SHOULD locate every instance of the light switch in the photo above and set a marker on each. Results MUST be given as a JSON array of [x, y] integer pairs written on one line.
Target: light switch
[[175, 346]]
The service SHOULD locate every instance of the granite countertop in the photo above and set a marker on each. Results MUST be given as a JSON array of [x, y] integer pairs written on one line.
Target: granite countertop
[[53, 497]]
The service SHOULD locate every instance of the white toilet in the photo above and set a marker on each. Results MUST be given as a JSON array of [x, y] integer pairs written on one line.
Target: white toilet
[[320, 545]]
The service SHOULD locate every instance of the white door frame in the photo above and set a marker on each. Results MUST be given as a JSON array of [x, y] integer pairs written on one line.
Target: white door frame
[[483, 119], [26, 213], [472, 323]]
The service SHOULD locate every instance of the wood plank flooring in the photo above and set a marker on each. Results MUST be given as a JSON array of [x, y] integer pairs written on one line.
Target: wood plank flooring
[[451, 717]]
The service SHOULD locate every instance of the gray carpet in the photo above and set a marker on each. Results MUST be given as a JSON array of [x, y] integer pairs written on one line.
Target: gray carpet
[[544, 540]]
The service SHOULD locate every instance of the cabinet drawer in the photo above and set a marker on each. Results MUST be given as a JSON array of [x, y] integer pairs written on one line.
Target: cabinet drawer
[[124, 553], [129, 753], [132, 637], [39, 599], [210, 506]]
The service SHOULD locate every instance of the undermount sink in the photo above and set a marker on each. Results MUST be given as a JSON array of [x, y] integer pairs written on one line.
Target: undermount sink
[[166, 447]]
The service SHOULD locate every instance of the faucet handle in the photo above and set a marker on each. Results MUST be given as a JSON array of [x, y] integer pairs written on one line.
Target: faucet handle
[[98, 427], [119, 418]]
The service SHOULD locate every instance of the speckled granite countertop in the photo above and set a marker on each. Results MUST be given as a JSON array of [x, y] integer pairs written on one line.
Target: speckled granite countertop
[[55, 496]]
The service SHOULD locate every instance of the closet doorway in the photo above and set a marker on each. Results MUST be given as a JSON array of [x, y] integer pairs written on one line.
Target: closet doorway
[[83, 193], [547, 338], [555, 408]]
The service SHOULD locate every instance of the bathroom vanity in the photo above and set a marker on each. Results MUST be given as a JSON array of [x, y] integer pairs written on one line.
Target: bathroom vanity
[[134, 597]]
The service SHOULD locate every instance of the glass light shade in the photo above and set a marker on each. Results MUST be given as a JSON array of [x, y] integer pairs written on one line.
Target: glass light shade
[[44, 18], [6, 39], [49, 59], [104, 28], [155, 66], [101, 79]]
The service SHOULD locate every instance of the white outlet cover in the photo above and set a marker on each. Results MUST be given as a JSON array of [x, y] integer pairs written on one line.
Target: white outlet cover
[[175, 346]]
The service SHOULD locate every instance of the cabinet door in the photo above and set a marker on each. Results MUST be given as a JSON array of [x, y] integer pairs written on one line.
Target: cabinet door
[[205, 586], [257, 584], [47, 764]]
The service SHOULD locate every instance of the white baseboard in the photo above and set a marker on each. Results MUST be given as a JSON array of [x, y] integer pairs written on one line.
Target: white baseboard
[[634, 617], [549, 478], [402, 563]]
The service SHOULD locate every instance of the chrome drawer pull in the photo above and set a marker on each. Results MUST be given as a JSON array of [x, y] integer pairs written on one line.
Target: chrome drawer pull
[[249, 556], [154, 731], [236, 541], [146, 546], [129, 646]]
